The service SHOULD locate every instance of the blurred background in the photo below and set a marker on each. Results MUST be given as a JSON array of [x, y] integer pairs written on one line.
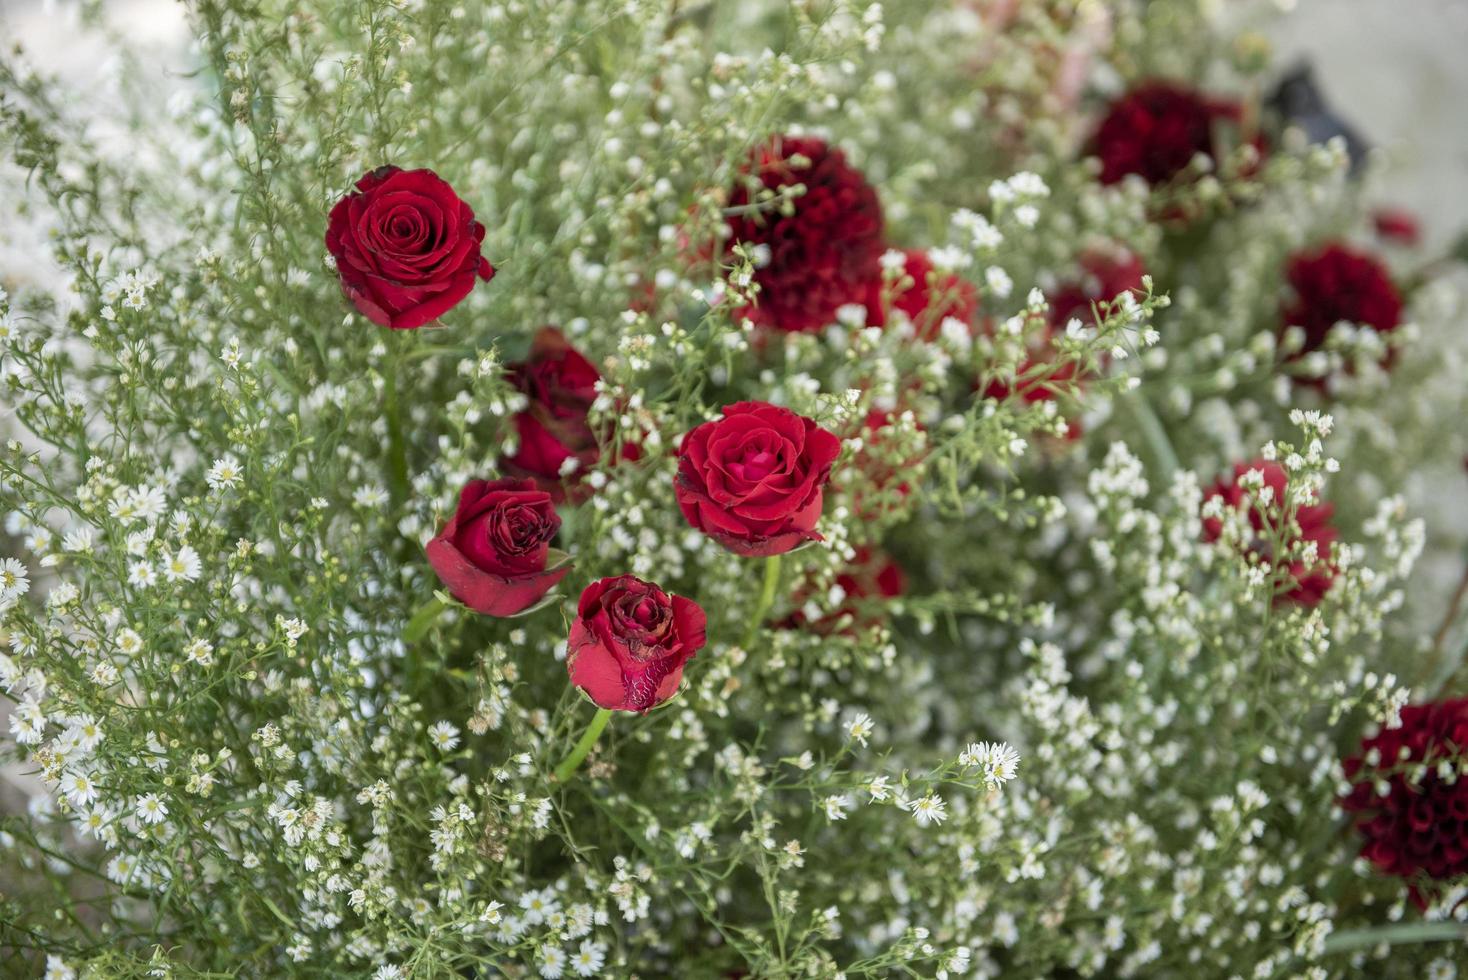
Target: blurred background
[[1394, 69]]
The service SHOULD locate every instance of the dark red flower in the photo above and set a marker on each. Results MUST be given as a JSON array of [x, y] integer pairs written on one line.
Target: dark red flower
[[823, 254], [1418, 829], [406, 247], [560, 385], [1397, 225], [630, 641], [1307, 584], [754, 479], [1335, 283], [930, 299], [1156, 129], [494, 554]]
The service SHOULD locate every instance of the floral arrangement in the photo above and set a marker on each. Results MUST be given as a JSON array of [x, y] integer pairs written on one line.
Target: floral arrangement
[[813, 489]]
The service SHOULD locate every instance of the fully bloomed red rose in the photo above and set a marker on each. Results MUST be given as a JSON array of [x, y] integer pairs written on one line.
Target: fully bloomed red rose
[[1419, 828], [823, 254], [406, 248], [1156, 129], [930, 299], [1335, 283], [494, 554], [754, 479], [560, 385], [1307, 584], [630, 641]]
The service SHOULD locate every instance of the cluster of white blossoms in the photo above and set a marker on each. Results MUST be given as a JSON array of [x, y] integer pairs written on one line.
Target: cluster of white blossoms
[[1111, 574]]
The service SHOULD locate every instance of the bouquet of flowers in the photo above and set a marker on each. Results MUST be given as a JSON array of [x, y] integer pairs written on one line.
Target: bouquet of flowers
[[567, 488]]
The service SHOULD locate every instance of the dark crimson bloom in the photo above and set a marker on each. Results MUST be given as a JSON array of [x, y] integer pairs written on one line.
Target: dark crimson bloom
[[406, 247], [560, 385], [824, 253], [1156, 129], [1307, 584], [1335, 283], [630, 641], [494, 554], [754, 479], [1419, 828], [930, 299]]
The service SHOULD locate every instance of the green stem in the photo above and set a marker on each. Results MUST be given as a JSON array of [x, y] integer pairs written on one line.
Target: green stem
[[422, 620], [766, 600], [588, 739], [1396, 934], [1156, 434], [397, 450]]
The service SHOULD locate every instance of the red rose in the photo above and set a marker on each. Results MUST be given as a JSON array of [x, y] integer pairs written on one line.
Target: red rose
[[1104, 277], [886, 477], [494, 553], [926, 303], [1417, 829], [823, 254], [1156, 129], [1336, 283], [753, 479], [1307, 584], [1397, 225], [630, 641], [870, 575], [561, 386], [406, 247]]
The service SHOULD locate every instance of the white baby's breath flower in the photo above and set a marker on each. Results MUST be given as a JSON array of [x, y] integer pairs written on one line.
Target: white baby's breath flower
[[14, 581], [184, 565], [444, 735], [225, 473], [927, 809], [150, 809]]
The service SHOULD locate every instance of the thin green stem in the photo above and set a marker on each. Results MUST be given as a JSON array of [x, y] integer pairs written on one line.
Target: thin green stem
[[766, 599], [397, 450], [1156, 434], [588, 739], [422, 619]]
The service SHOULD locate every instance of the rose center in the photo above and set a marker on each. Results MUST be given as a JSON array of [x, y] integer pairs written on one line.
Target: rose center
[[755, 465]]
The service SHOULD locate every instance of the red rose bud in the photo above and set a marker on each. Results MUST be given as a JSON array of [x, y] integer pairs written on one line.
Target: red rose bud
[[1156, 129], [406, 247], [630, 641], [494, 554], [1397, 225], [1336, 283], [1310, 583], [930, 299], [561, 386], [822, 255], [1415, 830], [753, 479]]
